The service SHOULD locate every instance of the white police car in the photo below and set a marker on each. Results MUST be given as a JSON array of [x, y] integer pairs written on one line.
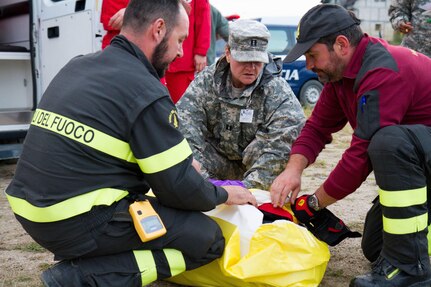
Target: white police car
[[304, 83]]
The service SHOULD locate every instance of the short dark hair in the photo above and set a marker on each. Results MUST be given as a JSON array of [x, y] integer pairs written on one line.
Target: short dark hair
[[140, 14], [353, 33]]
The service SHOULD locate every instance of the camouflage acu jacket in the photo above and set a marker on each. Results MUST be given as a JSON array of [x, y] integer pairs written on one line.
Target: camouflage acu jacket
[[209, 114], [418, 12]]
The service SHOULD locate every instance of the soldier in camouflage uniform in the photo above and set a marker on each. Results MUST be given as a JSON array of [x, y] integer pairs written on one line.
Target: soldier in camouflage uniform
[[239, 116], [413, 18]]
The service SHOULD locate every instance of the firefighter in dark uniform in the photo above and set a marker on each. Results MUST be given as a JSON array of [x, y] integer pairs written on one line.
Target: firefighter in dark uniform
[[105, 132]]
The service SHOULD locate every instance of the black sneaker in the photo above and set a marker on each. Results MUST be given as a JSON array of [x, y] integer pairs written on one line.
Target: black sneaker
[[63, 274], [383, 274]]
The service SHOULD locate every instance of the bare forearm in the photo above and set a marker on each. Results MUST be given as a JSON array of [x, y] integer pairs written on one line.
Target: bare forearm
[[297, 162], [323, 198]]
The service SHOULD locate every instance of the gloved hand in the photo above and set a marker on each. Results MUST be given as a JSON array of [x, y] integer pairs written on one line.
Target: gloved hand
[[303, 212], [220, 182], [329, 228], [271, 213]]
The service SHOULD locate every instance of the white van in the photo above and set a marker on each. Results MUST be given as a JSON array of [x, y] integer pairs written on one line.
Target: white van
[[37, 38]]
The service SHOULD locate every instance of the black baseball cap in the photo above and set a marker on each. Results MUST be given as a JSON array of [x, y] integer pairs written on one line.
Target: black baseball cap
[[320, 21]]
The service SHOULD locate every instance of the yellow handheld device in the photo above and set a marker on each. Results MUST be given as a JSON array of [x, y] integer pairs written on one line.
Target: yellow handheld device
[[146, 221]]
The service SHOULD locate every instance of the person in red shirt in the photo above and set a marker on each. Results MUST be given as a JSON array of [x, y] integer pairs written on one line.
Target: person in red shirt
[[182, 71], [112, 19], [384, 93]]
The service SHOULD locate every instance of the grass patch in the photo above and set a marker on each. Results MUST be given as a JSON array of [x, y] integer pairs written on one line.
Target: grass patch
[[44, 266], [320, 163], [18, 281], [23, 278], [335, 273], [307, 111], [357, 226], [30, 247]]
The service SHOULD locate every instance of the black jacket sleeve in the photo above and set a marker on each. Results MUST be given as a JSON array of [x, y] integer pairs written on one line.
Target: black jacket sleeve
[[165, 159]]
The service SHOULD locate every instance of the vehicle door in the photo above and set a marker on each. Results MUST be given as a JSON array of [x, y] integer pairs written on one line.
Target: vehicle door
[[65, 29]]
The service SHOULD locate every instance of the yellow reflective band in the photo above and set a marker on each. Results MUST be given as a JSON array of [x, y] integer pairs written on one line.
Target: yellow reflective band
[[403, 198], [166, 159], [176, 261], [405, 226], [429, 240], [393, 273], [67, 208], [147, 266], [83, 134]]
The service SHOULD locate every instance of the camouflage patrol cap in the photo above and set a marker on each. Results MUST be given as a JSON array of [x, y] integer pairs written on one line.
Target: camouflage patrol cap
[[248, 41]]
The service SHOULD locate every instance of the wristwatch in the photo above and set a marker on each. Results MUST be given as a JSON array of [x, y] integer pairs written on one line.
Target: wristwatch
[[313, 202]]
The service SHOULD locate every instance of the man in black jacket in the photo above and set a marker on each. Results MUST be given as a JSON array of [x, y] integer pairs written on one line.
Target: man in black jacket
[[105, 133]]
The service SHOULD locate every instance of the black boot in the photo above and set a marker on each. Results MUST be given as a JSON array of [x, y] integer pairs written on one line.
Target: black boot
[[63, 274], [383, 274]]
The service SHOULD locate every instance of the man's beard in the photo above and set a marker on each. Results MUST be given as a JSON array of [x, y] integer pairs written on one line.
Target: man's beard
[[331, 73], [158, 61]]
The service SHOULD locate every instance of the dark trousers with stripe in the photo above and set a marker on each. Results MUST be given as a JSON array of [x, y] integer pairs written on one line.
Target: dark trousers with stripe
[[401, 160], [106, 252]]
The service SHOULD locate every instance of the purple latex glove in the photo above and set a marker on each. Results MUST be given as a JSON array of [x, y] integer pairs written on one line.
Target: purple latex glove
[[220, 182]]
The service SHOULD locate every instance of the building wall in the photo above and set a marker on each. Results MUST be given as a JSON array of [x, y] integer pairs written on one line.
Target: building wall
[[374, 17], [373, 14]]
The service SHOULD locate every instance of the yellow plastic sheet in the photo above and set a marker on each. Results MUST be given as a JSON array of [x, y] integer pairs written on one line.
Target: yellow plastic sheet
[[280, 254]]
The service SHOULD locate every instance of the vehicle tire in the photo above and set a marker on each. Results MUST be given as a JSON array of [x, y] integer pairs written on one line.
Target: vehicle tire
[[310, 93]]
